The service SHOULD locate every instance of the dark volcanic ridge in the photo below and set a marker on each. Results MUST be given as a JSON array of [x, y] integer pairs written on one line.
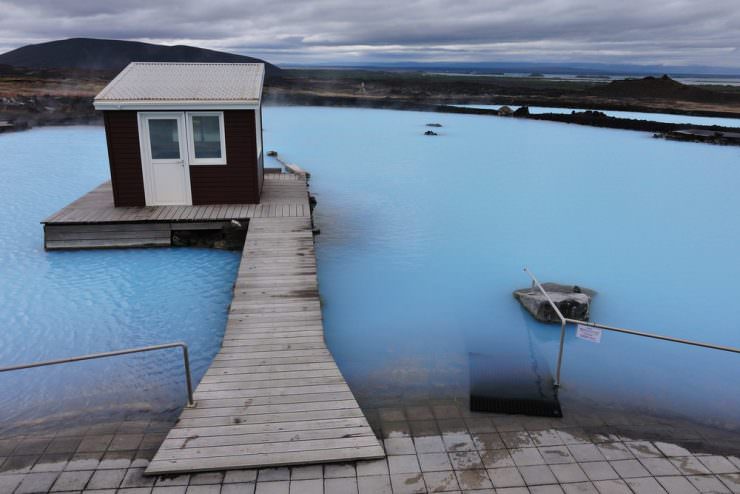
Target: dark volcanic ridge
[[114, 55]]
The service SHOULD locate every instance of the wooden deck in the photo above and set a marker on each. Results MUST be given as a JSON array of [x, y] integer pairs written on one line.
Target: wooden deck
[[273, 395], [92, 222]]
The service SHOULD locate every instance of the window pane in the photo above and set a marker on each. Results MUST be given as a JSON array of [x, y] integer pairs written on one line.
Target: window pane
[[206, 136], [164, 139]]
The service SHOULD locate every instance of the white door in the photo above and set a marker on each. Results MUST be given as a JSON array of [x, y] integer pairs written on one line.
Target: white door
[[164, 158]]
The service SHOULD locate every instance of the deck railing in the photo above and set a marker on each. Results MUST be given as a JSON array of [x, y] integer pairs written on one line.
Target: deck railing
[[565, 321], [91, 356]]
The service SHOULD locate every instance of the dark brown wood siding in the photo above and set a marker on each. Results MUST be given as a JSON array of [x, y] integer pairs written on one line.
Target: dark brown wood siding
[[237, 182], [124, 157]]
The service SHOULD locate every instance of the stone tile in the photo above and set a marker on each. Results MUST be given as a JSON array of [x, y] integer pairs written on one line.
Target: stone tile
[[574, 436], [441, 481], [612, 487], [429, 444], [51, 462], [643, 449], [206, 478], [391, 414], [615, 451], [18, 464], [546, 438], [708, 484], [116, 460], [480, 425], [496, 458], [556, 454], [8, 482], [64, 445], [446, 411], [645, 485], [408, 483], [524, 457], [399, 446], [403, 464], [243, 476], [135, 490], [34, 483], [32, 446], [272, 487], [95, 443], [458, 441], [434, 462], [372, 467], [598, 470], [669, 449], [505, 477], [419, 413], [83, 461], [677, 485], [7, 446], [689, 465], [72, 481], [568, 473], [238, 488], [546, 489], [175, 489], [537, 475], [204, 489], [135, 478], [339, 470], [629, 469], [172, 480], [507, 423], [485, 441], [374, 484], [466, 460], [517, 440], [718, 464], [272, 474], [731, 480], [473, 479], [512, 490], [307, 486], [395, 429], [125, 442], [580, 488], [659, 466], [106, 479], [585, 452], [422, 428]]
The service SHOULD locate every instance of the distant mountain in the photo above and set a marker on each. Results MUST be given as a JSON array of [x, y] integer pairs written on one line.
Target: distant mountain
[[662, 88], [561, 68], [114, 55]]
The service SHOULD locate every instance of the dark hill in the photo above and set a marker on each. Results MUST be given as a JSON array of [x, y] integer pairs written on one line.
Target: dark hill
[[114, 55], [662, 88]]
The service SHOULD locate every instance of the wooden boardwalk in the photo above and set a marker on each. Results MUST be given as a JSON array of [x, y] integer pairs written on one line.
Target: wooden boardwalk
[[273, 395], [92, 222]]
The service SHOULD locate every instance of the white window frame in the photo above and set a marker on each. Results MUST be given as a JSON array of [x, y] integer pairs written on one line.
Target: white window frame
[[191, 138]]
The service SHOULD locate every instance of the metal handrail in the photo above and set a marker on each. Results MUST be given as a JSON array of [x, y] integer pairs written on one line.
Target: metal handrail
[[566, 320], [178, 344]]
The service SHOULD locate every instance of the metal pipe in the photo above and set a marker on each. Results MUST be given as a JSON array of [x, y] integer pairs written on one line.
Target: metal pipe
[[183, 346]]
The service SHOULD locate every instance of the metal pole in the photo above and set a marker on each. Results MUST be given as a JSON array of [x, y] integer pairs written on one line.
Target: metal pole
[[113, 354], [560, 354]]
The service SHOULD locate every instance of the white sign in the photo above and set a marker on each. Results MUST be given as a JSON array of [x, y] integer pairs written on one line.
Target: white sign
[[588, 333]]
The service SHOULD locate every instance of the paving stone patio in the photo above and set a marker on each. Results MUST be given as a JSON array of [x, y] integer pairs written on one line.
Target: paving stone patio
[[436, 447]]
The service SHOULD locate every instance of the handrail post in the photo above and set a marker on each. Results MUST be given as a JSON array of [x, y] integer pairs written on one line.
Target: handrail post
[[188, 381], [560, 354]]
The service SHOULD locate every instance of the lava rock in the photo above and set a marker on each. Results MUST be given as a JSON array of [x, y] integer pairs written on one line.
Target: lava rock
[[430, 133], [574, 302], [434, 125], [522, 111]]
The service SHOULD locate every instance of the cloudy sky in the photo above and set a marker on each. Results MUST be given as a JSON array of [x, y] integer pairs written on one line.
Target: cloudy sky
[[673, 32]]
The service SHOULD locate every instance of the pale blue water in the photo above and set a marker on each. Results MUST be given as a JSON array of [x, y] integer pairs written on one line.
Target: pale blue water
[[424, 238], [59, 304], [655, 117]]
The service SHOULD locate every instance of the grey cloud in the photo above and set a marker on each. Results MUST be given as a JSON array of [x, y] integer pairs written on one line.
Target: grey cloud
[[641, 31]]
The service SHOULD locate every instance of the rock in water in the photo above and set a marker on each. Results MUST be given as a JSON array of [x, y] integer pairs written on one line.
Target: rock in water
[[573, 301]]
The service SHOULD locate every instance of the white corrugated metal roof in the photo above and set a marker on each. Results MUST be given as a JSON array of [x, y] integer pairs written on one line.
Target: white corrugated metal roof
[[170, 84]]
